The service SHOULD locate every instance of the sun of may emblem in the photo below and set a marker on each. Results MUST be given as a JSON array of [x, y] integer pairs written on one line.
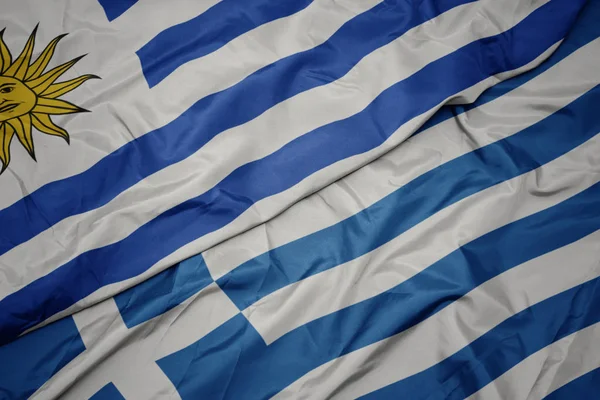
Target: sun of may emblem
[[29, 95]]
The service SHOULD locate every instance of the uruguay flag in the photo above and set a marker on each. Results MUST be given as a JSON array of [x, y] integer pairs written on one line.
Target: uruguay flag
[[299, 199]]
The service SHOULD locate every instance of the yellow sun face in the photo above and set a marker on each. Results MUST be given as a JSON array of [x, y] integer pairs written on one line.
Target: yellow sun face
[[28, 95], [16, 98]]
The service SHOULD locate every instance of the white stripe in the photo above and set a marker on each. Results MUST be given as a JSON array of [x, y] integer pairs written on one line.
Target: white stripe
[[127, 357], [147, 18], [580, 360], [488, 123], [258, 138], [548, 369], [122, 105], [462, 322], [426, 243]]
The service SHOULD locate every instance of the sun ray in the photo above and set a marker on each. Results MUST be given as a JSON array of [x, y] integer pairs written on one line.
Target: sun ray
[[58, 89], [19, 67], [37, 68], [29, 96], [22, 127], [5, 56], [6, 135], [43, 123], [55, 107], [43, 82]]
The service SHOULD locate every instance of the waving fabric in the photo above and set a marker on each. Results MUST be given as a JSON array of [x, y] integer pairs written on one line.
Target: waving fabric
[[299, 199]]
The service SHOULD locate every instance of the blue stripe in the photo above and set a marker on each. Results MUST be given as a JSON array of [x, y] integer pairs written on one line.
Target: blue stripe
[[518, 337], [585, 387], [233, 360], [29, 361], [163, 291], [295, 161], [208, 32], [585, 30], [413, 203], [114, 8], [211, 115], [108, 392]]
